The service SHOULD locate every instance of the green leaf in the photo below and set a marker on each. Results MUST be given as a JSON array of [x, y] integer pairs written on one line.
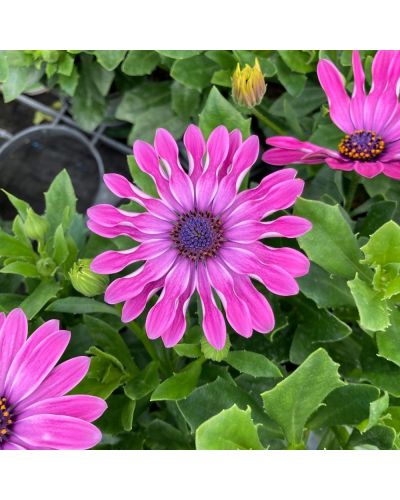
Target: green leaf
[[179, 54], [10, 246], [9, 301], [195, 72], [110, 59], [378, 371], [140, 62], [389, 340], [19, 79], [346, 405], [119, 415], [109, 340], [291, 402], [104, 376], [330, 243], [60, 202], [210, 399], [143, 180], [231, 429], [60, 247], [294, 83], [378, 214], [159, 116], [65, 65], [88, 105], [316, 327], [180, 385], [81, 305], [376, 409], [325, 289], [219, 111], [383, 246], [69, 83], [163, 436], [141, 98], [185, 101], [297, 60], [22, 268], [21, 206], [3, 68], [209, 352], [45, 291], [380, 437], [253, 364], [374, 312], [143, 383], [222, 77]]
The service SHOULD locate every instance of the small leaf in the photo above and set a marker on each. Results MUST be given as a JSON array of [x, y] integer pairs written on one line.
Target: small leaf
[[60, 202], [181, 384], [383, 246], [253, 364], [195, 72], [22, 268], [231, 429], [179, 54], [389, 340], [110, 59], [219, 111], [143, 383]]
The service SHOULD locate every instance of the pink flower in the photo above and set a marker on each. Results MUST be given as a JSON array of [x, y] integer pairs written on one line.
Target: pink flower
[[371, 122], [34, 411], [201, 234]]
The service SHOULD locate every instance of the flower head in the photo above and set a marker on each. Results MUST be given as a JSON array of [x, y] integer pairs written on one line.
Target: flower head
[[201, 234], [370, 122], [248, 85], [34, 411]]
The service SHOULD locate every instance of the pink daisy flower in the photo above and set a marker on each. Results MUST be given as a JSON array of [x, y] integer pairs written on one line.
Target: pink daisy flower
[[201, 234], [34, 411], [371, 123]]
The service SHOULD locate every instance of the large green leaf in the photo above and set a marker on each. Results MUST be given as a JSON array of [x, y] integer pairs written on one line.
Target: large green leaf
[[219, 111], [144, 382], [179, 54], [140, 62], [185, 101], [232, 429], [195, 72], [296, 398], [374, 312], [330, 243], [389, 340], [81, 305]]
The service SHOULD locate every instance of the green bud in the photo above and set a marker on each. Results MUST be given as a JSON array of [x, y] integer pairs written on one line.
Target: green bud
[[35, 226], [86, 281], [46, 266]]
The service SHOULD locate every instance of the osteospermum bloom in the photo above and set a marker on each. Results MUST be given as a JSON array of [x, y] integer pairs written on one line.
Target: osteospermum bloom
[[34, 411], [201, 234], [370, 122]]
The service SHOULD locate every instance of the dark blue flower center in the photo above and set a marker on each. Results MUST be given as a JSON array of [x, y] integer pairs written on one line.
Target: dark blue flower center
[[197, 235], [6, 420], [361, 145]]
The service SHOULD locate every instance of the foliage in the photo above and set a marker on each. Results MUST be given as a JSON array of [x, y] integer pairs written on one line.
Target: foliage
[[328, 376]]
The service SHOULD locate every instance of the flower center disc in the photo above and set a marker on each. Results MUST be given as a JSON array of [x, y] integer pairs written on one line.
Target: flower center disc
[[361, 145], [5, 419], [197, 235]]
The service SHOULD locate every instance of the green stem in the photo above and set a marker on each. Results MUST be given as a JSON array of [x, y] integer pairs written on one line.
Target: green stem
[[352, 191], [268, 122]]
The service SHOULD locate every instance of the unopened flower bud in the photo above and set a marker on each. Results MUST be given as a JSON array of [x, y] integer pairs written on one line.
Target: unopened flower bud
[[86, 281], [248, 85], [46, 266], [35, 226]]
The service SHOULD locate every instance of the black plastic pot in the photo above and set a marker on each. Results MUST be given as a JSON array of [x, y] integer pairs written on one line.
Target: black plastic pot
[[31, 159]]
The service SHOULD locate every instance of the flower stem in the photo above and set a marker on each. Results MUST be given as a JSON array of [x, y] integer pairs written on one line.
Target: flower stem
[[352, 191], [268, 122]]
